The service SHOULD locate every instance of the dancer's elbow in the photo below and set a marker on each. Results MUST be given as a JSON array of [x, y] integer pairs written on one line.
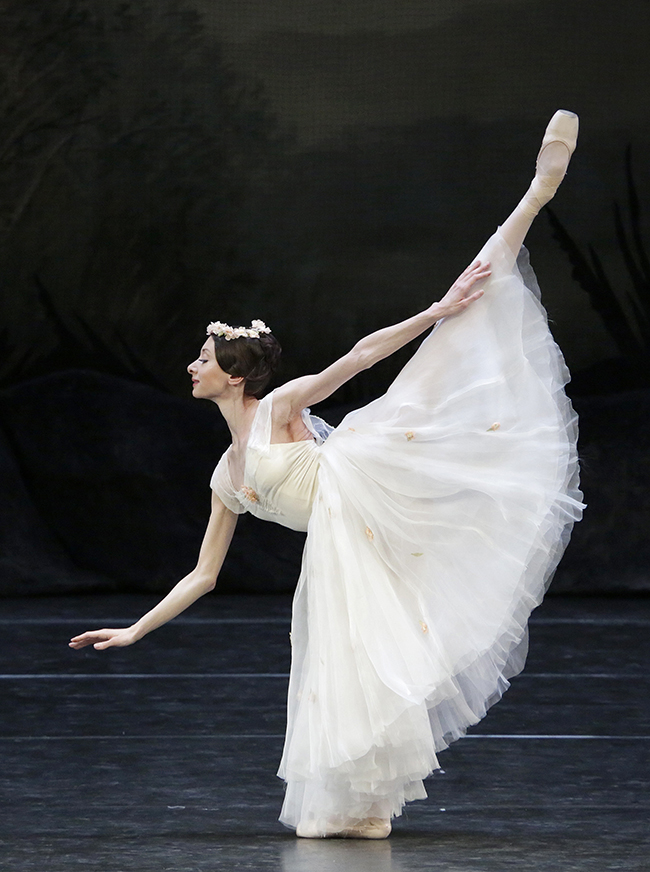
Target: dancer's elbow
[[210, 583], [362, 356], [204, 580]]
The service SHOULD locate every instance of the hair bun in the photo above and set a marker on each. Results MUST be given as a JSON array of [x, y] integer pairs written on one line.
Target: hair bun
[[256, 359]]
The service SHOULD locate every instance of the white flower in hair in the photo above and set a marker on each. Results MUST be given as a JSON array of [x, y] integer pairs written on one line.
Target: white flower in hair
[[218, 328]]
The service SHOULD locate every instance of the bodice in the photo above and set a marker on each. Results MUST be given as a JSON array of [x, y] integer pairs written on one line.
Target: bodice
[[280, 479]]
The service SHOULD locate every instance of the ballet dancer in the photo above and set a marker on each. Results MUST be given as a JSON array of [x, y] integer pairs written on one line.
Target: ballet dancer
[[435, 517]]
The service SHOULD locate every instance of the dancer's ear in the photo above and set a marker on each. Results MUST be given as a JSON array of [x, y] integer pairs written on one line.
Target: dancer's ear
[[235, 380]]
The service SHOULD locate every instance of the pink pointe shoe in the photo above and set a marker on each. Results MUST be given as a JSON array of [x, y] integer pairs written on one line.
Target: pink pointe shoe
[[558, 145], [370, 828]]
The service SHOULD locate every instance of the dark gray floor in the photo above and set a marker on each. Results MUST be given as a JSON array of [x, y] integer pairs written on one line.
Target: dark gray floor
[[163, 756]]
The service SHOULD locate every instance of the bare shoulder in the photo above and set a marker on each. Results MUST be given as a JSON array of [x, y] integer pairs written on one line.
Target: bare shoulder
[[286, 418], [294, 396], [281, 408]]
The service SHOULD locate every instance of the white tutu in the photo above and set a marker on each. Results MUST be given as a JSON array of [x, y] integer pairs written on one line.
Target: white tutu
[[441, 510]]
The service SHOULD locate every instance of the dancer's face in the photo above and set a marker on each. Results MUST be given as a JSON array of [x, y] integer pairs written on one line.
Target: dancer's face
[[209, 381]]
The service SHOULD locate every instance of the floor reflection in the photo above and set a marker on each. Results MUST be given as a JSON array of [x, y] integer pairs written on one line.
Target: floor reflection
[[334, 855]]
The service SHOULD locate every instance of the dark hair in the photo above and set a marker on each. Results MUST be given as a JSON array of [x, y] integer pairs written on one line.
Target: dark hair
[[254, 359]]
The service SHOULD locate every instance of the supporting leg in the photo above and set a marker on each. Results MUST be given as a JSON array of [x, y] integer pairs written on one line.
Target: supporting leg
[[552, 161]]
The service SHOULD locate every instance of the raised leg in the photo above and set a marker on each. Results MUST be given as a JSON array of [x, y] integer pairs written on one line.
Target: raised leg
[[552, 161]]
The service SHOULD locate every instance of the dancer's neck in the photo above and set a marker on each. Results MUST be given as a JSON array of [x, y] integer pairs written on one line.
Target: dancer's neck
[[238, 411]]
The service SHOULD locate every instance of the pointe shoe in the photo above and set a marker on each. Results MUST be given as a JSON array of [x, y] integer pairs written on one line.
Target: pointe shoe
[[311, 830], [370, 828], [558, 145]]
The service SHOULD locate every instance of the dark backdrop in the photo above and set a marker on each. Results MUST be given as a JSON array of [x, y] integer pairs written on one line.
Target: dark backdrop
[[329, 168]]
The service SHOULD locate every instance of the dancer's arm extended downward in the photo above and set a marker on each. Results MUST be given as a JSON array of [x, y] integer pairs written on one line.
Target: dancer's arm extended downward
[[201, 580], [291, 398]]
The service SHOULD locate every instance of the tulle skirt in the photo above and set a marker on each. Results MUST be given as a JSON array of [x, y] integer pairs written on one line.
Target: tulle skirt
[[443, 509]]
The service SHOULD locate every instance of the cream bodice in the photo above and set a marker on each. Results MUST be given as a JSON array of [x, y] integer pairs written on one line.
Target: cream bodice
[[280, 480]]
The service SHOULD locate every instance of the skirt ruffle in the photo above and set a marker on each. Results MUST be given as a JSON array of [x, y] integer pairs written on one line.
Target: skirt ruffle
[[443, 509]]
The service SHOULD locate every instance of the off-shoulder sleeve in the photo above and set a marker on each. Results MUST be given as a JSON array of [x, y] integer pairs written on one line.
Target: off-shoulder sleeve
[[318, 428], [222, 486]]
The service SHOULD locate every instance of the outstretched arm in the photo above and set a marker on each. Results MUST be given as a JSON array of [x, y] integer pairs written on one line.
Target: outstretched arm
[[290, 399], [202, 579]]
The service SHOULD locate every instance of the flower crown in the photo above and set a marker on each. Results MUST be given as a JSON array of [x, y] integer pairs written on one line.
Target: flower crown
[[228, 332]]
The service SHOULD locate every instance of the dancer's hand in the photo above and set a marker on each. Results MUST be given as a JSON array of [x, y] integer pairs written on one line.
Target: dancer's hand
[[101, 639], [461, 294]]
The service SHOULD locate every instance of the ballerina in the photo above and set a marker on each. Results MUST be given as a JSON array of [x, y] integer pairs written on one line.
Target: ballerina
[[435, 517]]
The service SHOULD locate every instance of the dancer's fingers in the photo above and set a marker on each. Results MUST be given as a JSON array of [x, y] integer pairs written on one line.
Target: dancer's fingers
[[468, 281], [82, 640], [476, 272], [100, 639], [462, 293], [472, 268], [466, 301], [481, 271]]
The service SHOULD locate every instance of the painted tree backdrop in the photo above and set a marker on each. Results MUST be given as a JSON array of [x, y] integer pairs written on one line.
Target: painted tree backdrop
[[329, 167]]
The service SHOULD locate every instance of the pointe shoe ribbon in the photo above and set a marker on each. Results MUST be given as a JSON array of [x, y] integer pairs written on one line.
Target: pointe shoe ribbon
[[551, 168]]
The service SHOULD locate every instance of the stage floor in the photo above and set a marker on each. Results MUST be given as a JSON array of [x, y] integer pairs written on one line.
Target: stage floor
[[163, 756]]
